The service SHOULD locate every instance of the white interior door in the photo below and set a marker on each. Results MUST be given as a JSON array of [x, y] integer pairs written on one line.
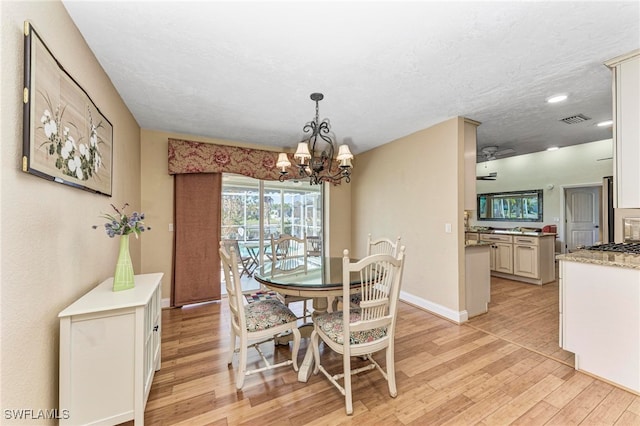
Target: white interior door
[[582, 212]]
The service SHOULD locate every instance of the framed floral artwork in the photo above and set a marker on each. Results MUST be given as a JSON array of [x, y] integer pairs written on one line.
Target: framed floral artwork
[[66, 137]]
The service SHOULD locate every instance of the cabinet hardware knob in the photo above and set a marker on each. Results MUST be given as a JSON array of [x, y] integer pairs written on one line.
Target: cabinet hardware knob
[[155, 328]]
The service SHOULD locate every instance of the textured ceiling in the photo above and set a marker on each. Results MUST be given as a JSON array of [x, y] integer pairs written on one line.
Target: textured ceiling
[[244, 71]]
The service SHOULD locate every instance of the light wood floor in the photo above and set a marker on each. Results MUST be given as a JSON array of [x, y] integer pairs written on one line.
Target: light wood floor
[[525, 314], [446, 374]]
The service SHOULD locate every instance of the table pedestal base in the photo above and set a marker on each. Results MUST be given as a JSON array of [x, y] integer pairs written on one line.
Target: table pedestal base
[[285, 338], [320, 305], [306, 367]]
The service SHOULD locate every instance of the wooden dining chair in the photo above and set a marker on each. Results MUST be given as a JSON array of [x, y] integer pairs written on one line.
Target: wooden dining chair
[[254, 323], [247, 265], [290, 256], [377, 246], [314, 246], [367, 329], [247, 262], [382, 246]]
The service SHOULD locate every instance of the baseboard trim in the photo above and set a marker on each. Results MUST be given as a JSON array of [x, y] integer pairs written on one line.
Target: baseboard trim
[[434, 308], [165, 303]]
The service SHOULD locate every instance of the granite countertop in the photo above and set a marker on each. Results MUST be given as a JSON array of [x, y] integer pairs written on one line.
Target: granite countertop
[[508, 232], [605, 258], [474, 243]]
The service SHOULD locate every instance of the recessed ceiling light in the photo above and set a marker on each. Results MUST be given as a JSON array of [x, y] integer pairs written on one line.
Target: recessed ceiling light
[[552, 148], [605, 123], [556, 98]]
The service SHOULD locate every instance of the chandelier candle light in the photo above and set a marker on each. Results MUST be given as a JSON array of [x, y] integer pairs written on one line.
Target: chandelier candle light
[[311, 161]]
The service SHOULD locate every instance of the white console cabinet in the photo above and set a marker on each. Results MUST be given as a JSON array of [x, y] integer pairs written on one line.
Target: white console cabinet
[[109, 352]]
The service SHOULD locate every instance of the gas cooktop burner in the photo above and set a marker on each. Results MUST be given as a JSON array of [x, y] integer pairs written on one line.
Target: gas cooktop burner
[[633, 248]]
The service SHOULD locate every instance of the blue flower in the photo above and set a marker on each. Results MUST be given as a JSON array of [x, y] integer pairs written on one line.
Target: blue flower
[[121, 224]]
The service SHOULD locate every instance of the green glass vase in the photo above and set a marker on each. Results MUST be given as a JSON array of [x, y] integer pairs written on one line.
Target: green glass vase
[[123, 277]]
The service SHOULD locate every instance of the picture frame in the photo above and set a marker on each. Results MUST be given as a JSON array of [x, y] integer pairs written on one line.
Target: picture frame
[[66, 138]]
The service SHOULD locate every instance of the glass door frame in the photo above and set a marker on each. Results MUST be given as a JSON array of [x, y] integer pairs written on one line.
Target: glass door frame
[[261, 208]]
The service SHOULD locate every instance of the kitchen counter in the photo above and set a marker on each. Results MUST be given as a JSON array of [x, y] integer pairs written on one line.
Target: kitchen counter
[[509, 232], [600, 315], [621, 260], [523, 255], [474, 243]]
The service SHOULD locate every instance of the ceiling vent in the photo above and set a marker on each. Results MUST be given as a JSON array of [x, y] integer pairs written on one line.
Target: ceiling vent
[[575, 119]]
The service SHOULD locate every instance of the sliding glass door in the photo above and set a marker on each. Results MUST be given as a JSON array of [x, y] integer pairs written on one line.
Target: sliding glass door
[[293, 208], [240, 208]]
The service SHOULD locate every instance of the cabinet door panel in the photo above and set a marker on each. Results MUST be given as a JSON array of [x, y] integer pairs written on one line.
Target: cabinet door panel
[[504, 258], [101, 353], [627, 132], [526, 261]]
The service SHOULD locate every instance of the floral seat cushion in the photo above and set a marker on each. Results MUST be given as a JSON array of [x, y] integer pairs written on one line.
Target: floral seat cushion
[[265, 314], [331, 325]]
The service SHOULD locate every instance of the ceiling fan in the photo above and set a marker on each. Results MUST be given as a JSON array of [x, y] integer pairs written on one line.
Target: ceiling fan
[[490, 176], [491, 152]]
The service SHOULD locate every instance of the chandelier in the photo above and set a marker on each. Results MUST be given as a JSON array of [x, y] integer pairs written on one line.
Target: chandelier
[[311, 160]]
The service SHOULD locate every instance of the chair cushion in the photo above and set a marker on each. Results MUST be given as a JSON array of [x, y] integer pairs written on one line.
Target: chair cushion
[[266, 314], [331, 324], [356, 298], [261, 295]]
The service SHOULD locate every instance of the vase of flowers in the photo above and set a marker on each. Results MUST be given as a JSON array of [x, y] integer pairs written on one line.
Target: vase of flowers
[[123, 225]]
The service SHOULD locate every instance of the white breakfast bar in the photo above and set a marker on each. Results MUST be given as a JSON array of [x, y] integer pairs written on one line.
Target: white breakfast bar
[[600, 314]]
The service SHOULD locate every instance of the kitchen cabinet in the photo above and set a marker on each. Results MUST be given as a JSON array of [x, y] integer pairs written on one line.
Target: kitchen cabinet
[[600, 319], [527, 258], [533, 257], [471, 236], [501, 258], [626, 129], [109, 352]]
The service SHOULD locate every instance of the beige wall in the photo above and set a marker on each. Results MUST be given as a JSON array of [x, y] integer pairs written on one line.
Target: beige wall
[[50, 254], [412, 187], [338, 214]]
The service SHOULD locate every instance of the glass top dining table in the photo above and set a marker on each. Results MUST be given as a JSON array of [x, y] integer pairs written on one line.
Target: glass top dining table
[[322, 278]]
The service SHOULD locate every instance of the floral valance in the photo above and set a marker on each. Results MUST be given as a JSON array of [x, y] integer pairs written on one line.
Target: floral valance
[[200, 157]]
